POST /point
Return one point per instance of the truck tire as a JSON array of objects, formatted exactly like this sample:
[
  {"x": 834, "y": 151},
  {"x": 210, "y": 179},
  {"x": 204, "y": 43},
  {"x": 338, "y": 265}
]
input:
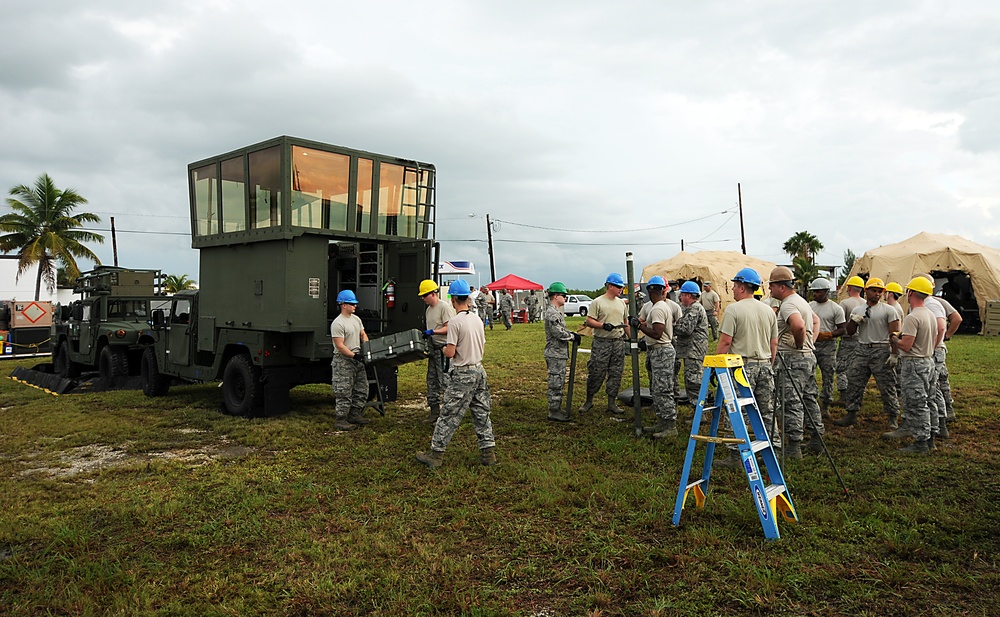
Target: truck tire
[
  {"x": 583, "y": 311},
  {"x": 154, "y": 383},
  {"x": 63, "y": 365},
  {"x": 112, "y": 362},
  {"x": 242, "y": 390}
]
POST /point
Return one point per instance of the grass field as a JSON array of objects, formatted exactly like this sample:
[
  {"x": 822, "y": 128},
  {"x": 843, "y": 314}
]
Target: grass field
[{"x": 115, "y": 504}]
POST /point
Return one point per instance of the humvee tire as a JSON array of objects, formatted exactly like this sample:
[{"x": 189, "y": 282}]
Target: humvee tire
[
  {"x": 242, "y": 390},
  {"x": 112, "y": 362},
  {"x": 63, "y": 365},
  {"x": 154, "y": 383}
]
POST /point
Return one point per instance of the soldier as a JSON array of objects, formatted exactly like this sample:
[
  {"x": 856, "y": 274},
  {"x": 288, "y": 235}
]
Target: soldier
[
  {"x": 674, "y": 294},
  {"x": 848, "y": 341},
  {"x": 710, "y": 300},
  {"x": 948, "y": 320},
  {"x": 656, "y": 323},
  {"x": 436, "y": 316},
  {"x": 833, "y": 324},
  {"x": 506, "y": 308},
  {"x": 916, "y": 348},
  {"x": 797, "y": 365},
  {"x": 691, "y": 344},
  {"x": 876, "y": 354},
  {"x": 534, "y": 306},
  {"x": 608, "y": 316},
  {"x": 483, "y": 306},
  {"x": 467, "y": 386},
  {"x": 350, "y": 380},
  {"x": 557, "y": 339},
  {"x": 750, "y": 329}
]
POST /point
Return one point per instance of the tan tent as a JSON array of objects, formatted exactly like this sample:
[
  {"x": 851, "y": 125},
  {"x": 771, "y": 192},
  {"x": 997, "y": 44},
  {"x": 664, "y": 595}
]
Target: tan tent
[
  {"x": 947, "y": 258},
  {"x": 719, "y": 267}
]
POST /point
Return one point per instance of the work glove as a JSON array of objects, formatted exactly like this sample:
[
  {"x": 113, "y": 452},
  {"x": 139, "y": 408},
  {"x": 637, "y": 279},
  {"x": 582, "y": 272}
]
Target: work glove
[
  {"x": 892, "y": 361},
  {"x": 633, "y": 321},
  {"x": 856, "y": 318},
  {"x": 358, "y": 357},
  {"x": 642, "y": 345},
  {"x": 608, "y": 327},
  {"x": 825, "y": 336},
  {"x": 429, "y": 332},
  {"x": 577, "y": 338}
]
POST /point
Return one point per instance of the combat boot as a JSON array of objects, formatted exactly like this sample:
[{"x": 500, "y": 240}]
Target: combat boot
[
  {"x": 732, "y": 461},
  {"x": 670, "y": 430},
  {"x": 943, "y": 429},
  {"x": 848, "y": 420},
  {"x": 613, "y": 406},
  {"x": 431, "y": 458},
  {"x": 432, "y": 417},
  {"x": 488, "y": 457},
  {"x": 587, "y": 405},
  {"x": 899, "y": 433},
  {"x": 558, "y": 415},
  {"x": 930, "y": 444},
  {"x": 893, "y": 423},
  {"x": 342, "y": 424},
  {"x": 356, "y": 417},
  {"x": 815, "y": 445},
  {"x": 661, "y": 425},
  {"x": 917, "y": 447},
  {"x": 824, "y": 409},
  {"x": 793, "y": 448}
]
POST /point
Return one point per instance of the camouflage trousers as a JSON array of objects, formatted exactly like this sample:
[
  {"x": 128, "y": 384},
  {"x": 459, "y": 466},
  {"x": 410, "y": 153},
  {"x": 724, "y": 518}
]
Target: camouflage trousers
[
  {"x": 826, "y": 359},
  {"x": 607, "y": 361},
  {"x": 760, "y": 376},
  {"x": 845, "y": 355},
  {"x": 796, "y": 380},
  {"x": 467, "y": 389},
  {"x": 868, "y": 362},
  {"x": 557, "y": 378},
  {"x": 437, "y": 379},
  {"x": 713, "y": 325},
  {"x": 693, "y": 370},
  {"x": 350, "y": 384},
  {"x": 661, "y": 381},
  {"x": 943, "y": 395},
  {"x": 917, "y": 384},
  {"x": 505, "y": 317}
]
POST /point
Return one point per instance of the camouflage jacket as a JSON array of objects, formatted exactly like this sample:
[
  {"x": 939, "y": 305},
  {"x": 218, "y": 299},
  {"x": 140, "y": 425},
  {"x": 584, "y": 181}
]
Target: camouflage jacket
[
  {"x": 691, "y": 332},
  {"x": 557, "y": 337}
]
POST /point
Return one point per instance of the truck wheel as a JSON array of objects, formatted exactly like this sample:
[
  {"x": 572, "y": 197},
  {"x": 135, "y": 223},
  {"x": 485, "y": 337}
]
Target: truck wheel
[
  {"x": 154, "y": 383},
  {"x": 112, "y": 362},
  {"x": 63, "y": 365},
  {"x": 242, "y": 390},
  {"x": 583, "y": 311}
]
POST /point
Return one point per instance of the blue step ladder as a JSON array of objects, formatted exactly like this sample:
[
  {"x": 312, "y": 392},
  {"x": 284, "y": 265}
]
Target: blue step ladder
[{"x": 733, "y": 394}]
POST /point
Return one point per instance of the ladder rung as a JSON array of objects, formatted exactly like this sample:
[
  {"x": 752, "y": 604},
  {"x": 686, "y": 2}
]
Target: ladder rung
[
  {"x": 760, "y": 444},
  {"x": 773, "y": 490},
  {"x": 743, "y": 402},
  {"x": 694, "y": 484},
  {"x": 708, "y": 410},
  {"x": 711, "y": 439}
]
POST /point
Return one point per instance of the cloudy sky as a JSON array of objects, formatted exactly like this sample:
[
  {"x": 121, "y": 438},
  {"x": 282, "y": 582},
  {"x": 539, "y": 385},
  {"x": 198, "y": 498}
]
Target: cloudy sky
[{"x": 584, "y": 129}]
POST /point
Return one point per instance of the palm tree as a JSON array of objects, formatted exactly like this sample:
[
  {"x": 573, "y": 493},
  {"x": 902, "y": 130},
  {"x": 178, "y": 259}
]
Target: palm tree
[
  {"x": 44, "y": 230},
  {"x": 803, "y": 244},
  {"x": 174, "y": 283},
  {"x": 805, "y": 272}
]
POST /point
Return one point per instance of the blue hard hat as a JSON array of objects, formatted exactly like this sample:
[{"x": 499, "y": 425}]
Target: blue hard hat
[
  {"x": 657, "y": 280},
  {"x": 347, "y": 297},
  {"x": 615, "y": 279},
  {"x": 747, "y": 275},
  {"x": 691, "y": 287},
  {"x": 459, "y": 288}
]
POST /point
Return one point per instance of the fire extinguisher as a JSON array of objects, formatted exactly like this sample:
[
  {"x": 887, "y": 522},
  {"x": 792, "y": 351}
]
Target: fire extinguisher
[{"x": 390, "y": 294}]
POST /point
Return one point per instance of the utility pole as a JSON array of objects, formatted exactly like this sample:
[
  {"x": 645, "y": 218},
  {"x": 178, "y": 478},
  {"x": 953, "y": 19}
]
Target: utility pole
[
  {"x": 743, "y": 235},
  {"x": 682, "y": 245},
  {"x": 489, "y": 237},
  {"x": 114, "y": 241}
]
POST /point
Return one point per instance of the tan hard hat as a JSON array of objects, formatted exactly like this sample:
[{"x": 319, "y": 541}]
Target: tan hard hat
[{"x": 781, "y": 274}]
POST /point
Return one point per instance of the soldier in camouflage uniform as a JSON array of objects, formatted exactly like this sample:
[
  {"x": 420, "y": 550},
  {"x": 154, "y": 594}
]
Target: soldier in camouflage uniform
[
  {"x": 534, "y": 307},
  {"x": 483, "y": 306},
  {"x": 467, "y": 385},
  {"x": 691, "y": 340},
  {"x": 506, "y": 308},
  {"x": 349, "y": 379},
  {"x": 848, "y": 342},
  {"x": 437, "y": 314},
  {"x": 608, "y": 316},
  {"x": 557, "y": 339},
  {"x": 833, "y": 324},
  {"x": 656, "y": 322}
]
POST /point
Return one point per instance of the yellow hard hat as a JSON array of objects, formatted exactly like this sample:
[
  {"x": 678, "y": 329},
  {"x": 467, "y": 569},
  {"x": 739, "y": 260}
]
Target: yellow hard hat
[
  {"x": 759, "y": 293},
  {"x": 875, "y": 282},
  {"x": 921, "y": 285},
  {"x": 894, "y": 287},
  {"x": 426, "y": 287},
  {"x": 855, "y": 281}
]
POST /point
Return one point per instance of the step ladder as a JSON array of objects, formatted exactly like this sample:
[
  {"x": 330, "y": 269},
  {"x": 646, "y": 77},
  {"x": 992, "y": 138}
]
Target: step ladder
[{"x": 734, "y": 395}]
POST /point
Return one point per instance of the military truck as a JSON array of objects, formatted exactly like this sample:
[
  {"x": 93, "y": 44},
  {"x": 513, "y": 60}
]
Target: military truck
[
  {"x": 106, "y": 329},
  {"x": 282, "y": 226}
]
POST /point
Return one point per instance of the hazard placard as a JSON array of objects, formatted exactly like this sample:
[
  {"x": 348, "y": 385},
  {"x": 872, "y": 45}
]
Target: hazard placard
[{"x": 29, "y": 314}]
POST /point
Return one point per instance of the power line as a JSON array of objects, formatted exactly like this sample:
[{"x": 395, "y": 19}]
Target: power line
[
  {"x": 615, "y": 231},
  {"x": 136, "y": 231},
  {"x": 554, "y": 243}
]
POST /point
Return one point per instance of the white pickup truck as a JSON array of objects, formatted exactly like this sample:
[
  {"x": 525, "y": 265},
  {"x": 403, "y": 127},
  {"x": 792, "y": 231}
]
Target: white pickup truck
[{"x": 577, "y": 305}]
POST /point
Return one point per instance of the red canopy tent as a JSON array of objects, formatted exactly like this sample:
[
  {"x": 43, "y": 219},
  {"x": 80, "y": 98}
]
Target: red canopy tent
[{"x": 513, "y": 281}]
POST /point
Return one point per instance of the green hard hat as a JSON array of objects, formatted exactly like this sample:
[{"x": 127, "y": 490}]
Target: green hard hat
[{"x": 557, "y": 288}]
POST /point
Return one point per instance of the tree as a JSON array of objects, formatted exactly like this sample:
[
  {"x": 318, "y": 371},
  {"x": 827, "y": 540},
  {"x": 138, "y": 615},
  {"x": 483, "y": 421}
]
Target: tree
[
  {"x": 805, "y": 272},
  {"x": 44, "y": 230},
  {"x": 803, "y": 244},
  {"x": 849, "y": 259},
  {"x": 174, "y": 283}
]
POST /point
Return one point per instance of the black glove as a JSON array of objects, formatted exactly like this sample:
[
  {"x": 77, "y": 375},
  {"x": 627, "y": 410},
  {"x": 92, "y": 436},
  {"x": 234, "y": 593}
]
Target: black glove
[
  {"x": 633, "y": 321},
  {"x": 608, "y": 327},
  {"x": 642, "y": 345},
  {"x": 358, "y": 357},
  {"x": 577, "y": 338}
]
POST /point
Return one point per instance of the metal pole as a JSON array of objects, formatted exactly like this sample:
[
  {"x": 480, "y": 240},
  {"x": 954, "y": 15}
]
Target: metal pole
[
  {"x": 633, "y": 344},
  {"x": 489, "y": 237},
  {"x": 114, "y": 241},
  {"x": 743, "y": 234}
]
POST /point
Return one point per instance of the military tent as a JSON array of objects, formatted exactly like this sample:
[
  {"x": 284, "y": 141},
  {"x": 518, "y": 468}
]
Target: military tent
[
  {"x": 966, "y": 274},
  {"x": 718, "y": 267}
]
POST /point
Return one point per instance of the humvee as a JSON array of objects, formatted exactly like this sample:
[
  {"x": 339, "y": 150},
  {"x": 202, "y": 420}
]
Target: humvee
[{"x": 282, "y": 226}]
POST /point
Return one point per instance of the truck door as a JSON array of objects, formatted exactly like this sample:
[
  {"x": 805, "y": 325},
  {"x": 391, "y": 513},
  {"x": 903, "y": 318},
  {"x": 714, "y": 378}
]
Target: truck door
[
  {"x": 89, "y": 319},
  {"x": 179, "y": 332},
  {"x": 407, "y": 263}
]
